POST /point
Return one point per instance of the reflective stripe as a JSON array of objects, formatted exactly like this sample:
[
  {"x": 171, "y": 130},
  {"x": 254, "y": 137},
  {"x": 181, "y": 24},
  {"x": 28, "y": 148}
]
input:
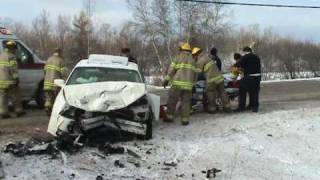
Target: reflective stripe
[
  {"x": 48, "y": 104},
  {"x": 173, "y": 64},
  {"x": 184, "y": 66},
  {"x": 49, "y": 85},
  {"x": 198, "y": 70},
  {"x": 185, "y": 119},
  {"x": 4, "y": 64},
  {"x": 15, "y": 76},
  {"x": 182, "y": 85},
  {"x": 53, "y": 67},
  {"x": 216, "y": 80},
  {"x": 5, "y": 84},
  {"x": 13, "y": 63},
  {"x": 255, "y": 75},
  {"x": 208, "y": 66}
]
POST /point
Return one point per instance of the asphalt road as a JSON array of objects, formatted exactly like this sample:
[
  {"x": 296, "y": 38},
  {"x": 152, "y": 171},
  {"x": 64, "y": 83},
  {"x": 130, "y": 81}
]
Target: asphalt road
[
  {"x": 290, "y": 91},
  {"x": 36, "y": 121},
  {"x": 277, "y": 91}
]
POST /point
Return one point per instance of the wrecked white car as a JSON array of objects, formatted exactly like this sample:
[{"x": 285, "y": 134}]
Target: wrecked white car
[{"x": 103, "y": 91}]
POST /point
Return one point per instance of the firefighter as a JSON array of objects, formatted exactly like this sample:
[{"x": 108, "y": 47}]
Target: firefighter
[
  {"x": 250, "y": 83},
  {"x": 55, "y": 68},
  {"x": 215, "y": 81},
  {"x": 181, "y": 76},
  {"x": 9, "y": 81}
]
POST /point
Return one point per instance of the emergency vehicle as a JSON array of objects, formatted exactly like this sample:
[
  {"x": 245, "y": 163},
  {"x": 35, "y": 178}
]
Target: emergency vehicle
[{"x": 31, "y": 72}]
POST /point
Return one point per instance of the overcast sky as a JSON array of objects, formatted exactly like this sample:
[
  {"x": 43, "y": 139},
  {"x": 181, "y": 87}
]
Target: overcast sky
[{"x": 299, "y": 23}]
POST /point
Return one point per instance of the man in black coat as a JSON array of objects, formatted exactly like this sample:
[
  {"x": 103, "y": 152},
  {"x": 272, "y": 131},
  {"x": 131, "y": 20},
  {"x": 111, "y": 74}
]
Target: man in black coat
[
  {"x": 214, "y": 56},
  {"x": 250, "y": 83}
]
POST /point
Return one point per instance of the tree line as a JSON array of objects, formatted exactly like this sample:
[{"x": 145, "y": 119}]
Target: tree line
[{"x": 157, "y": 28}]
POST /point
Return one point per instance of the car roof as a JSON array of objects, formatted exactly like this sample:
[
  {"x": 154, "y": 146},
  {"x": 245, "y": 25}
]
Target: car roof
[{"x": 108, "y": 61}]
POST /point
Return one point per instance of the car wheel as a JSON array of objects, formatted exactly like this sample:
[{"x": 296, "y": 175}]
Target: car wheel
[{"x": 40, "y": 98}]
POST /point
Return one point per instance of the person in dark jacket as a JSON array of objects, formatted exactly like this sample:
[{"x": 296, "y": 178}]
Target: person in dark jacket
[
  {"x": 214, "y": 56},
  {"x": 250, "y": 83},
  {"x": 127, "y": 53}
]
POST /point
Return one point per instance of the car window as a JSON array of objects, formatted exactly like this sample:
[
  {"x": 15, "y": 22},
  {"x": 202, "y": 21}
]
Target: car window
[
  {"x": 85, "y": 75},
  {"x": 23, "y": 55}
]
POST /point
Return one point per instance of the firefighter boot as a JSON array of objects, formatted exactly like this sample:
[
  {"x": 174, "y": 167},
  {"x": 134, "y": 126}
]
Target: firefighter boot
[
  {"x": 168, "y": 119},
  {"x": 227, "y": 110},
  {"x": 5, "y": 116},
  {"x": 212, "y": 110},
  {"x": 185, "y": 121},
  {"x": 20, "y": 113}
]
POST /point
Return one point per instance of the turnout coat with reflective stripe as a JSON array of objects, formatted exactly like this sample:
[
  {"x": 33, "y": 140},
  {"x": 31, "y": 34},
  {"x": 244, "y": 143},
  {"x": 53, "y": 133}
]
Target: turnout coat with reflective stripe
[
  {"x": 182, "y": 70},
  {"x": 8, "y": 72},
  {"x": 208, "y": 66},
  {"x": 54, "y": 69}
]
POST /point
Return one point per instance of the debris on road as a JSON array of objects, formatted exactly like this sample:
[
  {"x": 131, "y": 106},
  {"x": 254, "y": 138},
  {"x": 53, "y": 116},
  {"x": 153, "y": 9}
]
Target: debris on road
[
  {"x": 170, "y": 163},
  {"x": 109, "y": 149},
  {"x": 32, "y": 147},
  {"x": 134, "y": 161},
  {"x": 99, "y": 177},
  {"x": 212, "y": 173},
  {"x": 119, "y": 164},
  {"x": 166, "y": 169},
  {"x": 134, "y": 154}
]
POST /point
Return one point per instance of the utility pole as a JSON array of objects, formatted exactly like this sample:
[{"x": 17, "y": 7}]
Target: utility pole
[
  {"x": 89, "y": 5},
  {"x": 180, "y": 21}
]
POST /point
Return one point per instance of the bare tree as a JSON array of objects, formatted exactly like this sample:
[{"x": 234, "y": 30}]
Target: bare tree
[
  {"x": 41, "y": 27},
  {"x": 80, "y": 36},
  {"x": 144, "y": 18},
  {"x": 62, "y": 29}
]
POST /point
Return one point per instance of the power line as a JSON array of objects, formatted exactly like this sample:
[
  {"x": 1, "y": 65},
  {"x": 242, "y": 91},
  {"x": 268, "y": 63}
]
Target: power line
[{"x": 253, "y": 4}]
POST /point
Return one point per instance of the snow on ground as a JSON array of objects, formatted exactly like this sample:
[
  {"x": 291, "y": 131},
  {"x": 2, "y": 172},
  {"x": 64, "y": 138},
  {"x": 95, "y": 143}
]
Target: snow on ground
[{"x": 280, "y": 142}]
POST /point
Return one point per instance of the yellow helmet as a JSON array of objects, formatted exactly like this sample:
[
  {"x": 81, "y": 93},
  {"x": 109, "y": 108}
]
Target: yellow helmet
[
  {"x": 185, "y": 46},
  {"x": 11, "y": 44},
  {"x": 196, "y": 50}
]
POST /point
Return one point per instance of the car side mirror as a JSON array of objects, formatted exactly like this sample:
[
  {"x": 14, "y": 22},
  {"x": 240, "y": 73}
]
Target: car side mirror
[{"x": 59, "y": 82}]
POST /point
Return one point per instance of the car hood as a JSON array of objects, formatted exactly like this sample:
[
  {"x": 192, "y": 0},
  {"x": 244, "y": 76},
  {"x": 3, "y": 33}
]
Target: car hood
[{"x": 103, "y": 96}]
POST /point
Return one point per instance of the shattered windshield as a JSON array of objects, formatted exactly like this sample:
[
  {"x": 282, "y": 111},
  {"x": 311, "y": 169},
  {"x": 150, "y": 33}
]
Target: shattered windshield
[{"x": 85, "y": 75}]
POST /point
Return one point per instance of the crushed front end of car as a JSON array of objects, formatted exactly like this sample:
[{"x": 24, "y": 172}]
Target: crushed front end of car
[{"x": 121, "y": 105}]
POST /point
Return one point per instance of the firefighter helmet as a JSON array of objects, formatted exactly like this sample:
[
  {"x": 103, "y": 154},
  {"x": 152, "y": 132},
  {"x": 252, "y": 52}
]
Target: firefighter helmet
[
  {"x": 11, "y": 44},
  {"x": 185, "y": 47},
  {"x": 196, "y": 50}
]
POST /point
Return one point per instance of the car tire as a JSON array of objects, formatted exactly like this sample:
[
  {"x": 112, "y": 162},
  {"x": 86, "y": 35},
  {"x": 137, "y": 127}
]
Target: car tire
[
  {"x": 148, "y": 134},
  {"x": 40, "y": 97}
]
